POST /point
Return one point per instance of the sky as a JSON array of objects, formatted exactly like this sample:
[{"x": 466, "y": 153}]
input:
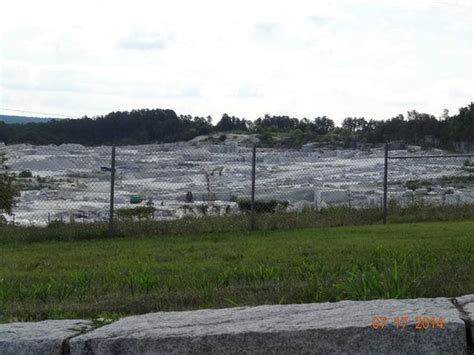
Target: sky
[{"x": 339, "y": 58}]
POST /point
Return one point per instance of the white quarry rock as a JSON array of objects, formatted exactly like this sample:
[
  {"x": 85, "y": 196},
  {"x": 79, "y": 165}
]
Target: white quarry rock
[
  {"x": 413, "y": 148},
  {"x": 452, "y": 199},
  {"x": 336, "y": 196},
  {"x": 39, "y": 338},
  {"x": 165, "y": 172},
  {"x": 346, "y": 154},
  {"x": 342, "y": 328},
  {"x": 308, "y": 147},
  {"x": 301, "y": 206},
  {"x": 72, "y": 148},
  {"x": 421, "y": 191},
  {"x": 223, "y": 148}
]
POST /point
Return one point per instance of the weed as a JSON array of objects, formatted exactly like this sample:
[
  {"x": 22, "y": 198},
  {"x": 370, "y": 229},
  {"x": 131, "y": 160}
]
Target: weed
[{"x": 278, "y": 220}]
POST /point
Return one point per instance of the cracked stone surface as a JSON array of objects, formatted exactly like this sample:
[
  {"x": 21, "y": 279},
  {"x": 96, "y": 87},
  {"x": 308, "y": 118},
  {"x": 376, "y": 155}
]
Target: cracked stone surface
[
  {"x": 467, "y": 305},
  {"x": 342, "y": 327},
  {"x": 38, "y": 338}
]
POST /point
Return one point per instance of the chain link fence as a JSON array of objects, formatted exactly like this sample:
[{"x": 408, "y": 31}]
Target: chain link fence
[
  {"x": 442, "y": 179},
  {"x": 73, "y": 183}
]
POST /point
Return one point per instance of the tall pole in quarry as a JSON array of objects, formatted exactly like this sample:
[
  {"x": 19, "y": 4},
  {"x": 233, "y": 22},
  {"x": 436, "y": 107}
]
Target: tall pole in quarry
[
  {"x": 252, "y": 201},
  {"x": 385, "y": 184},
  {"x": 112, "y": 191}
]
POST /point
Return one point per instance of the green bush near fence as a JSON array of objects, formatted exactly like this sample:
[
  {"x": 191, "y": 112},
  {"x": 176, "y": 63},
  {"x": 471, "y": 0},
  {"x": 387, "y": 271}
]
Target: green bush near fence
[
  {"x": 262, "y": 206},
  {"x": 25, "y": 174},
  {"x": 142, "y": 213}
]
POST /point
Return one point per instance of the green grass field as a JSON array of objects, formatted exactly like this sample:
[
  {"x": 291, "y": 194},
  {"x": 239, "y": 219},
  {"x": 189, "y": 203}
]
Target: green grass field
[{"x": 118, "y": 276}]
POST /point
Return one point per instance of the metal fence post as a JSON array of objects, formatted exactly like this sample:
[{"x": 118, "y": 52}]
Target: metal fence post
[
  {"x": 385, "y": 184},
  {"x": 252, "y": 203},
  {"x": 112, "y": 191}
]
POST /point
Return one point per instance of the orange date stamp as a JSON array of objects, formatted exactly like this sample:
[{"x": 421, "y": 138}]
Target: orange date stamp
[{"x": 401, "y": 322}]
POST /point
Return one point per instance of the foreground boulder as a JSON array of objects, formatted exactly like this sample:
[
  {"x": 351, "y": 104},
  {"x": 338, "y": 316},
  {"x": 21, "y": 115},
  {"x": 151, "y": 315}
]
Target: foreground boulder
[
  {"x": 434, "y": 326},
  {"x": 343, "y": 327},
  {"x": 465, "y": 305},
  {"x": 46, "y": 337}
]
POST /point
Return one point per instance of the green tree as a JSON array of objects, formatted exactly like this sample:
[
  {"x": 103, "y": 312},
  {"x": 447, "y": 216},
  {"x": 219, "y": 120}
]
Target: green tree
[
  {"x": 323, "y": 125},
  {"x": 7, "y": 190}
]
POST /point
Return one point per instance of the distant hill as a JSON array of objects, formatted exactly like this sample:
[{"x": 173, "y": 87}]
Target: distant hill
[
  {"x": 134, "y": 127},
  {"x": 23, "y": 119},
  {"x": 146, "y": 126}
]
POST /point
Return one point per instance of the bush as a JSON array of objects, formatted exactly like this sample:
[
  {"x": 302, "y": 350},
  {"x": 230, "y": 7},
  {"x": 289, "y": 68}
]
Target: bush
[
  {"x": 25, "y": 174},
  {"x": 7, "y": 189},
  {"x": 56, "y": 223},
  {"x": 203, "y": 209},
  {"x": 140, "y": 213},
  {"x": 417, "y": 184},
  {"x": 262, "y": 206}
]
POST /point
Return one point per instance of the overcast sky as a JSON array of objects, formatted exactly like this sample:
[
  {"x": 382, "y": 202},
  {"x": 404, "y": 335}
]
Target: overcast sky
[{"x": 372, "y": 58}]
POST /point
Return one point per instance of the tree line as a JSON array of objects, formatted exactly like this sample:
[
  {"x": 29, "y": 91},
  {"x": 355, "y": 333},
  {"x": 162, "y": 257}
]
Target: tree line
[{"x": 157, "y": 125}]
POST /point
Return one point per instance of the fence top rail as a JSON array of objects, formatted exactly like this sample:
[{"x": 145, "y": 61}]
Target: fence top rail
[{"x": 431, "y": 156}]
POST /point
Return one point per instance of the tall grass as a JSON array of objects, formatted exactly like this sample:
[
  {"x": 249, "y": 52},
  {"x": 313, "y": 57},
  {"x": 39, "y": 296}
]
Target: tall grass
[
  {"x": 329, "y": 217},
  {"x": 151, "y": 274},
  {"x": 389, "y": 274}
]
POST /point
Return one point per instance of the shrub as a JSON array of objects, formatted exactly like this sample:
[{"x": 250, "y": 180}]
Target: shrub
[
  {"x": 56, "y": 223},
  {"x": 25, "y": 174},
  {"x": 140, "y": 213},
  {"x": 189, "y": 197},
  {"x": 262, "y": 206},
  {"x": 204, "y": 209},
  {"x": 7, "y": 189},
  {"x": 417, "y": 184}
]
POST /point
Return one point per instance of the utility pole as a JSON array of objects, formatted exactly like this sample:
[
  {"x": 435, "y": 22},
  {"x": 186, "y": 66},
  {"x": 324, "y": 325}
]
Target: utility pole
[
  {"x": 252, "y": 206},
  {"x": 385, "y": 184},
  {"x": 112, "y": 191}
]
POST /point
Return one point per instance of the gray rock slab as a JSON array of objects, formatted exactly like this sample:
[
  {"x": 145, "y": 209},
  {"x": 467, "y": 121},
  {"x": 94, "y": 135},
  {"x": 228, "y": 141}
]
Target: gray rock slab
[
  {"x": 342, "y": 327},
  {"x": 465, "y": 300},
  {"x": 466, "y": 304},
  {"x": 37, "y": 338}
]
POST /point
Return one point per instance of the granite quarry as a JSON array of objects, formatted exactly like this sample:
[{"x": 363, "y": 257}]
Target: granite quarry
[{"x": 71, "y": 181}]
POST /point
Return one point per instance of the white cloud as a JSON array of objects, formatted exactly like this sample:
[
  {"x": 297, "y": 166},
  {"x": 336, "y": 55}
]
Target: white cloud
[
  {"x": 306, "y": 58},
  {"x": 146, "y": 41}
]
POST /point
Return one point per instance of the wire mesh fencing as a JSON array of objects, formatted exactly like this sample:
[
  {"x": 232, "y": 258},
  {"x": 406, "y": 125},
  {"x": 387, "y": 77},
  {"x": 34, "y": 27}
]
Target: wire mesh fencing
[
  {"x": 322, "y": 178},
  {"x": 58, "y": 183},
  {"x": 177, "y": 181},
  {"x": 172, "y": 181},
  {"x": 152, "y": 182},
  {"x": 433, "y": 179}
]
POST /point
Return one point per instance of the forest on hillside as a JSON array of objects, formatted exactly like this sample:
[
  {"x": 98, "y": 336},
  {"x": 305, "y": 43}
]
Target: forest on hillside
[{"x": 157, "y": 125}]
